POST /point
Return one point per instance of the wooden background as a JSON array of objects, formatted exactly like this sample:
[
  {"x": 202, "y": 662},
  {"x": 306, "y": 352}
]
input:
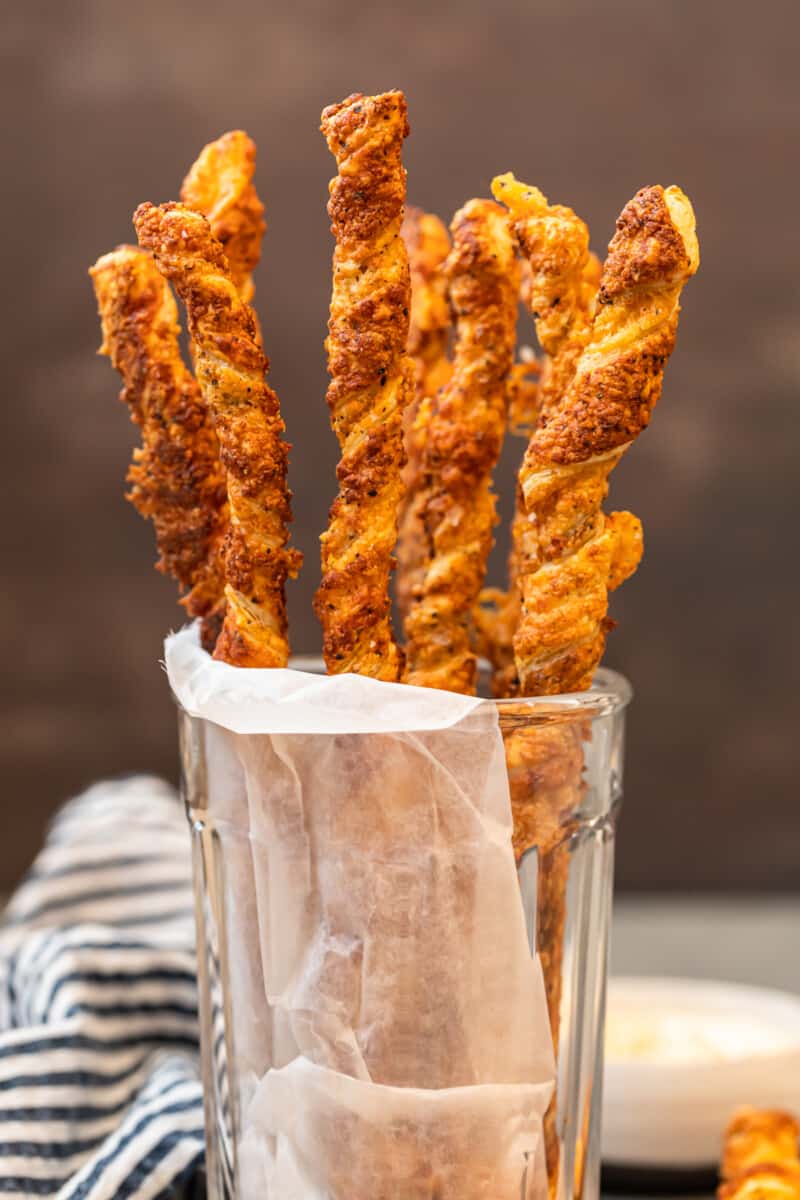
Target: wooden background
[{"x": 105, "y": 105}]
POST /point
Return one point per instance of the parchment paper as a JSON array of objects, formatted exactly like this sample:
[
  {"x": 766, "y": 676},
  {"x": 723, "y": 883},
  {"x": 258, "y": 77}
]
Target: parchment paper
[{"x": 397, "y": 1043}]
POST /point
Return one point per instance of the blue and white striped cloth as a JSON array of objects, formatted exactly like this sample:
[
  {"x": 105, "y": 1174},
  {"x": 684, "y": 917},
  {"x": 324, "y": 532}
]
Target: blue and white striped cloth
[{"x": 100, "y": 1094}]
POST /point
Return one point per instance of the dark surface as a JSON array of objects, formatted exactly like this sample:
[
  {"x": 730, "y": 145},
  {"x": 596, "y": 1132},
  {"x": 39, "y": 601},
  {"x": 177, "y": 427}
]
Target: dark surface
[
  {"x": 105, "y": 105},
  {"x": 643, "y": 1181},
  {"x": 616, "y": 1181}
]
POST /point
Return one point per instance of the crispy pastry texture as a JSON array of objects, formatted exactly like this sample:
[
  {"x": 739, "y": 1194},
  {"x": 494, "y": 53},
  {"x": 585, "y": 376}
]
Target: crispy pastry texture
[
  {"x": 559, "y": 285},
  {"x": 464, "y": 438},
  {"x": 570, "y": 550},
  {"x": 562, "y": 541},
  {"x": 231, "y": 368},
  {"x": 494, "y": 622},
  {"x": 559, "y": 288},
  {"x": 428, "y": 244},
  {"x": 220, "y": 186},
  {"x": 761, "y": 1157},
  {"x": 176, "y": 478},
  {"x": 370, "y": 381}
]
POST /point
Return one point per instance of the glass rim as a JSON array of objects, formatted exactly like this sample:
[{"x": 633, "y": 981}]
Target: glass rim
[{"x": 610, "y": 692}]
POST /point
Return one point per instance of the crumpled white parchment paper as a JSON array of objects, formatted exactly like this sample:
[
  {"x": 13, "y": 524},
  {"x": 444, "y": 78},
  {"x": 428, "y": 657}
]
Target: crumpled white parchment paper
[{"x": 389, "y": 1032}]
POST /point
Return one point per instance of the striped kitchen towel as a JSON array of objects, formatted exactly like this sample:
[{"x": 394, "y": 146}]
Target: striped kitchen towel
[{"x": 100, "y": 1094}]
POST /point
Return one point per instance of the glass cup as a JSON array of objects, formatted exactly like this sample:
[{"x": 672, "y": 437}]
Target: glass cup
[{"x": 564, "y": 758}]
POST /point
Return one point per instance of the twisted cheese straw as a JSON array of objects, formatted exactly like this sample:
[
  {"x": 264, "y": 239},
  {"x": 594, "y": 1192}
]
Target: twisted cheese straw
[
  {"x": 176, "y": 478},
  {"x": 370, "y": 381},
  {"x": 220, "y": 186},
  {"x": 571, "y": 550},
  {"x": 428, "y": 244},
  {"x": 495, "y": 617},
  {"x": 560, "y": 285},
  {"x": 231, "y": 368},
  {"x": 463, "y": 444},
  {"x": 545, "y": 766},
  {"x": 559, "y": 289},
  {"x": 761, "y": 1157},
  {"x": 499, "y": 611}
]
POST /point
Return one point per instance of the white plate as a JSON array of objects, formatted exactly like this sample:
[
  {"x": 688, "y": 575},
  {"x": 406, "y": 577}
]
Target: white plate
[{"x": 682, "y": 1054}]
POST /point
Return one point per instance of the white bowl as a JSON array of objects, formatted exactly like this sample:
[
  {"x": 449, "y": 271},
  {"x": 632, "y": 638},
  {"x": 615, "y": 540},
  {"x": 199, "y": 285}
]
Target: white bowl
[{"x": 681, "y": 1055}]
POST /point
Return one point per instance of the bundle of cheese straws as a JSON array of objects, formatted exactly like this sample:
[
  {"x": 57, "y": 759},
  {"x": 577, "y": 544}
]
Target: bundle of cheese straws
[
  {"x": 420, "y": 428},
  {"x": 423, "y": 388}
]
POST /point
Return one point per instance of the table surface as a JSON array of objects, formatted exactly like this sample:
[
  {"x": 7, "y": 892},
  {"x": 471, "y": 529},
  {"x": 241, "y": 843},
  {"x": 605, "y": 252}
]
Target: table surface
[
  {"x": 741, "y": 939},
  {"x": 750, "y": 939}
]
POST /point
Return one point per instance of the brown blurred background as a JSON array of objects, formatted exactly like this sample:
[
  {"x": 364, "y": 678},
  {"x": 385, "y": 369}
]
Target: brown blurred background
[{"x": 107, "y": 104}]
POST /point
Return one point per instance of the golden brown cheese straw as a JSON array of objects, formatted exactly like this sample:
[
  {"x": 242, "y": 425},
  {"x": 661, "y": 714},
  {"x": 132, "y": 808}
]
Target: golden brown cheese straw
[
  {"x": 569, "y": 545},
  {"x": 176, "y": 478},
  {"x": 560, "y": 282},
  {"x": 428, "y": 244},
  {"x": 464, "y": 438},
  {"x": 495, "y": 620},
  {"x": 370, "y": 381},
  {"x": 231, "y": 367},
  {"x": 545, "y": 768},
  {"x": 578, "y": 582},
  {"x": 559, "y": 285},
  {"x": 220, "y": 186},
  {"x": 495, "y": 616},
  {"x": 761, "y": 1156}
]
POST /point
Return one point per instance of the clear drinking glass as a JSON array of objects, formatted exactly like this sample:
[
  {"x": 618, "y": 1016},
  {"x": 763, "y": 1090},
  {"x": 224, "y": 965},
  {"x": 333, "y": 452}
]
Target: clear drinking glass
[{"x": 564, "y": 757}]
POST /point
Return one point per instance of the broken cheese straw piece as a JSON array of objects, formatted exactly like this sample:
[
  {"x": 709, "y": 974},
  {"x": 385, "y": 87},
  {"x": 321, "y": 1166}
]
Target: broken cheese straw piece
[
  {"x": 220, "y": 186},
  {"x": 761, "y": 1156},
  {"x": 176, "y": 478},
  {"x": 569, "y": 545},
  {"x": 231, "y": 369},
  {"x": 428, "y": 244},
  {"x": 370, "y": 381},
  {"x": 463, "y": 443}
]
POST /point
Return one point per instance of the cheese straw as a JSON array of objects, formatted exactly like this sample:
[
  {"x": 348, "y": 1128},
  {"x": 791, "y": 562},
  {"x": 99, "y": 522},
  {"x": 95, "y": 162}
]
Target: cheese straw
[
  {"x": 231, "y": 368},
  {"x": 428, "y": 244},
  {"x": 761, "y": 1156},
  {"x": 176, "y": 478},
  {"x": 571, "y": 550},
  {"x": 220, "y": 186},
  {"x": 566, "y": 553},
  {"x": 462, "y": 445},
  {"x": 370, "y": 381}
]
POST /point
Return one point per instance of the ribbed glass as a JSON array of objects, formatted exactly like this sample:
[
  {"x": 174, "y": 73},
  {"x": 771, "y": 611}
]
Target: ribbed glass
[{"x": 564, "y": 757}]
